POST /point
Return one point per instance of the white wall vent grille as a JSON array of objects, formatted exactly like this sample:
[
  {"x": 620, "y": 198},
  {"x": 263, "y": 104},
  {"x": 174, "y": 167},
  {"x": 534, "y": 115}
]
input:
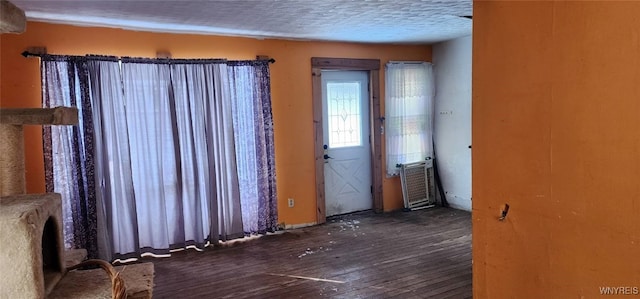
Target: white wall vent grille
[{"x": 418, "y": 185}]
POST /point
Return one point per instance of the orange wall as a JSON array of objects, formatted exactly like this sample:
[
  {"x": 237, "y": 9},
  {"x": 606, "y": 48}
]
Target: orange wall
[
  {"x": 556, "y": 135},
  {"x": 290, "y": 83}
]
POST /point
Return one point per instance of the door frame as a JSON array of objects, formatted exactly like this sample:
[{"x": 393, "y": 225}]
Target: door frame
[{"x": 372, "y": 66}]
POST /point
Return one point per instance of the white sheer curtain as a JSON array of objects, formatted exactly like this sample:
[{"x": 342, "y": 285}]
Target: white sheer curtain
[
  {"x": 409, "y": 90},
  {"x": 116, "y": 213},
  {"x": 205, "y": 127},
  {"x": 182, "y": 157},
  {"x": 150, "y": 118}
]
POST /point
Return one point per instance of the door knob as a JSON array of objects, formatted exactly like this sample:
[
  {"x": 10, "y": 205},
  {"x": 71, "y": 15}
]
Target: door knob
[{"x": 327, "y": 157}]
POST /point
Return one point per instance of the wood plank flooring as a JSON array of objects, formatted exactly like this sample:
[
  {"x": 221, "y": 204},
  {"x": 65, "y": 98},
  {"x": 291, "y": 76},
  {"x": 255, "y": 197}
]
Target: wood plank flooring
[{"x": 418, "y": 254}]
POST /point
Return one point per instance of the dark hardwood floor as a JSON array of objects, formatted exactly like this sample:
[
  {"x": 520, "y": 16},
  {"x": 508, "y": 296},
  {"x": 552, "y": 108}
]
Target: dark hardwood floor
[{"x": 418, "y": 254}]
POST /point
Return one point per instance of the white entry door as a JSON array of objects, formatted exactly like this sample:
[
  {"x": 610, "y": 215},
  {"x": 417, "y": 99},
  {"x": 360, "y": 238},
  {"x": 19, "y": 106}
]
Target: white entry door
[{"x": 347, "y": 168}]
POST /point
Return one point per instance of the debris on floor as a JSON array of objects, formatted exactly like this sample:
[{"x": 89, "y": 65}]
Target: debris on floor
[{"x": 307, "y": 252}]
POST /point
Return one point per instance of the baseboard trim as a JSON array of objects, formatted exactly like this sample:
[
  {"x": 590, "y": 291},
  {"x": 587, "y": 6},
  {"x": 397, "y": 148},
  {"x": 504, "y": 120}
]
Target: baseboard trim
[{"x": 300, "y": 225}]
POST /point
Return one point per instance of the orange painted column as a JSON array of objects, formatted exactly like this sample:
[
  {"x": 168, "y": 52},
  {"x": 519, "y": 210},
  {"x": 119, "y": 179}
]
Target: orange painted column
[{"x": 556, "y": 135}]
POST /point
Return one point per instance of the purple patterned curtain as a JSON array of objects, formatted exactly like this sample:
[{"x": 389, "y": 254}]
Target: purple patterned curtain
[
  {"x": 68, "y": 150},
  {"x": 250, "y": 89}
]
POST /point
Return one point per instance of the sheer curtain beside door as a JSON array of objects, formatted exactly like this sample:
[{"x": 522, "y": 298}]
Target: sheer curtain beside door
[{"x": 410, "y": 90}]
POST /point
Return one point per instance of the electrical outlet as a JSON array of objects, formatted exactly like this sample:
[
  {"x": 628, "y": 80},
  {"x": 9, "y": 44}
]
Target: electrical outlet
[{"x": 291, "y": 202}]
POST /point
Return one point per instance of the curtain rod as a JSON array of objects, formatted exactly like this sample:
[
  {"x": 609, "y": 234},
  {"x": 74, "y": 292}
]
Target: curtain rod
[
  {"x": 29, "y": 54},
  {"x": 408, "y": 62}
]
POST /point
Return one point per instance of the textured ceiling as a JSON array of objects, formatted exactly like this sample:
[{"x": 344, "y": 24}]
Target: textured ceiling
[{"x": 369, "y": 21}]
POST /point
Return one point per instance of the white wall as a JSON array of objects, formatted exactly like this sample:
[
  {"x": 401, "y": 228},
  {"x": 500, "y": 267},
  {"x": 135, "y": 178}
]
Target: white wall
[{"x": 452, "y": 123}]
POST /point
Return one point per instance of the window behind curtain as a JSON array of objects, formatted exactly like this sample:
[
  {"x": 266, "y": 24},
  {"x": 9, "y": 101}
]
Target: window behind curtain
[{"x": 409, "y": 113}]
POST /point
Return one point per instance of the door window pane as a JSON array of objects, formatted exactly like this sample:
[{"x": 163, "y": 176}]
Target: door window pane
[{"x": 344, "y": 113}]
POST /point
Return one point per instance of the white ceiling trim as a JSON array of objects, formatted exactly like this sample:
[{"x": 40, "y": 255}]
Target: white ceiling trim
[
  {"x": 161, "y": 27},
  {"x": 363, "y": 21}
]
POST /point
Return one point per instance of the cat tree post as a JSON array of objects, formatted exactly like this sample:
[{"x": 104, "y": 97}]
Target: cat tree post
[{"x": 12, "y": 160}]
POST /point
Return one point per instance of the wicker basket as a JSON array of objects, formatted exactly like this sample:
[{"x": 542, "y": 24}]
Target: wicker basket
[{"x": 118, "y": 290}]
